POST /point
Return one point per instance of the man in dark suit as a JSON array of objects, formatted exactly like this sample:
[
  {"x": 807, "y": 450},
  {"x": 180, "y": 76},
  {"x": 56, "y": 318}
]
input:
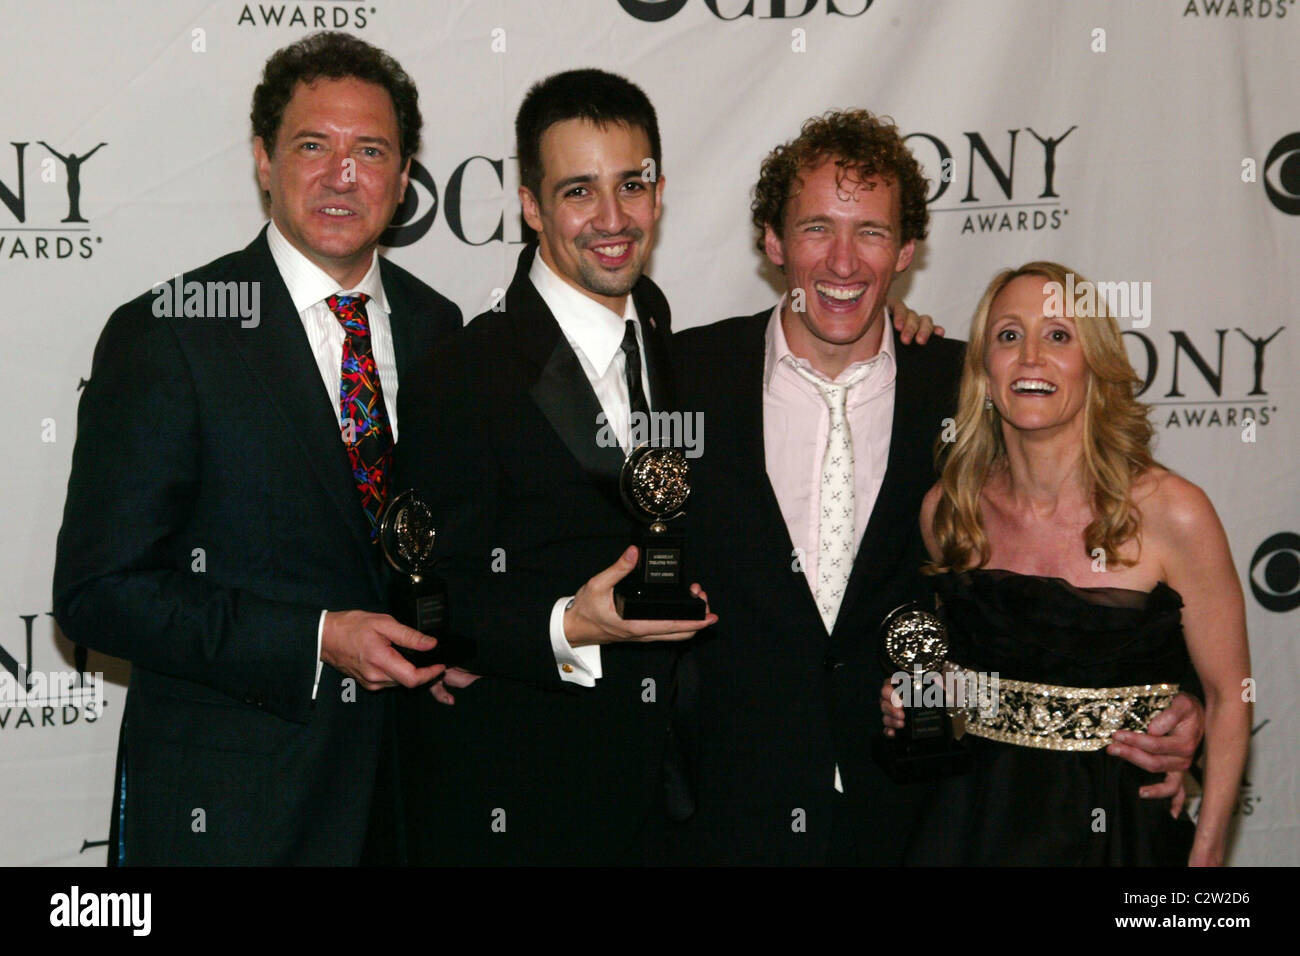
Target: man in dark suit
[
  {"x": 555, "y": 755},
  {"x": 227, "y": 478},
  {"x": 805, "y": 507}
]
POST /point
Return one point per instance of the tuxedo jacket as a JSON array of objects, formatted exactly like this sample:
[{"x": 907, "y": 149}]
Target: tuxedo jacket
[
  {"x": 211, "y": 516},
  {"x": 500, "y": 434},
  {"x": 781, "y": 703}
]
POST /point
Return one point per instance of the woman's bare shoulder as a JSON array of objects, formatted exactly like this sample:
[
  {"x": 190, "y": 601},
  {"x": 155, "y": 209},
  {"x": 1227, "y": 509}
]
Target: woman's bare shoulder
[{"x": 1173, "y": 509}]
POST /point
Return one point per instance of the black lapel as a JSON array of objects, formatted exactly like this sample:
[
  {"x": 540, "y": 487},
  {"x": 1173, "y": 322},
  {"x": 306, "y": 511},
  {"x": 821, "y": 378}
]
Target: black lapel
[
  {"x": 280, "y": 356},
  {"x": 561, "y": 389},
  {"x": 402, "y": 321},
  {"x": 909, "y": 451},
  {"x": 415, "y": 330},
  {"x": 770, "y": 529}
]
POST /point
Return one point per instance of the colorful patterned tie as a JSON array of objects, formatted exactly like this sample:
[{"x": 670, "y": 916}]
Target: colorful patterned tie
[{"x": 361, "y": 405}]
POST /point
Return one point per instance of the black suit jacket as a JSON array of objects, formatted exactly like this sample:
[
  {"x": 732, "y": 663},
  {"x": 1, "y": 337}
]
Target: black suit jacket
[
  {"x": 780, "y": 702},
  {"x": 211, "y": 515},
  {"x": 499, "y": 431}
]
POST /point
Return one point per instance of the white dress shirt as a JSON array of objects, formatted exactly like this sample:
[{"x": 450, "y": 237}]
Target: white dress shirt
[
  {"x": 796, "y": 424},
  {"x": 595, "y": 333},
  {"x": 309, "y": 286}
]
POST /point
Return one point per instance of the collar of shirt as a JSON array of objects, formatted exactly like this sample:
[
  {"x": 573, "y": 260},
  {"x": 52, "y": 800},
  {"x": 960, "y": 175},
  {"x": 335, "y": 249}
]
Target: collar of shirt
[
  {"x": 777, "y": 354},
  {"x": 309, "y": 284},
  {"x": 591, "y": 327}
]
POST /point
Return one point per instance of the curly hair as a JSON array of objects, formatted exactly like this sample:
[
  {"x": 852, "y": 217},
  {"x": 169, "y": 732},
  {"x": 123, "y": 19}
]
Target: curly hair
[
  {"x": 334, "y": 56},
  {"x": 861, "y": 144},
  {"x": 1116, "y": 437}
]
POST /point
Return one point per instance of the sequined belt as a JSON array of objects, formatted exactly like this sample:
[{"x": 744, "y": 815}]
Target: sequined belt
[{"x": 1052, "y": 717}]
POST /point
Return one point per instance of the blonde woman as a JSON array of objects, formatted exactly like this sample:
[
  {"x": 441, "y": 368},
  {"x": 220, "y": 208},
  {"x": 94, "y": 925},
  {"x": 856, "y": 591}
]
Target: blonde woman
[{"x": 1081, "y": 572}]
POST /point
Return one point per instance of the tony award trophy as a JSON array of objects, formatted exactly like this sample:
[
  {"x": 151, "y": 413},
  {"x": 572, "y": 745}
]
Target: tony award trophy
[
  {"x": 916, "y": 642},
  {"x": 654, "y": 486},
  {"x": 416, "y": 597}
]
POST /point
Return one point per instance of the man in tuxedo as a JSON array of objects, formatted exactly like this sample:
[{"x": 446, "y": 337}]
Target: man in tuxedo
[
  {"x": 555, "y": 755},
  {"x": 805, "y": 513},
  {"x": 227, "y": 478}
]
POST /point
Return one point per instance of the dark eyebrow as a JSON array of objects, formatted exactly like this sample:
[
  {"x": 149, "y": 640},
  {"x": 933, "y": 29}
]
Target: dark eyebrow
[
  {"x": 574, "y": 181},
  {"x": 588, "y": 178},
  {"x": 317, "y": 134}
]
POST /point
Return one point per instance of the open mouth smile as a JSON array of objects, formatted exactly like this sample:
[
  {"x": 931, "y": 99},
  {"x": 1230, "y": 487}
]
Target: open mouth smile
[
  {"x": 612, "y": 254},
  {"x": 1032, "y": 386},
  {"x": 838, "y": 296}
]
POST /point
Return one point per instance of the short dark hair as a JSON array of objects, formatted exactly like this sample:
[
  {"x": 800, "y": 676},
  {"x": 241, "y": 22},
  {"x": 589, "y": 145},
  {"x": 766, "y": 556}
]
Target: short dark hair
[
  {"x": 861, "y": 144},
  {"x": 334, "y": 56},
  {"x": 593, "y": 95}
]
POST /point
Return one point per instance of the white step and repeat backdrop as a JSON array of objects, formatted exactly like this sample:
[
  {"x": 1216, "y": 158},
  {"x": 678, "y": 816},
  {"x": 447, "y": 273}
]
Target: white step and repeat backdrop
[{"x": 1154, "y": 141}]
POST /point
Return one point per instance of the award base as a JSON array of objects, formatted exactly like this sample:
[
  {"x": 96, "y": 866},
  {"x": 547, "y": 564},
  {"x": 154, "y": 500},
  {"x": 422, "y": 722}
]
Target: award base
[
  {"x": 422, "y": 604},
  {"x": 655, "y": 607},
  {"x": 654, "y": 590},
  {"x": 452, "y": 650},
  {"x": 924, "y": 749},
  {"x": 908, "y": 761}
]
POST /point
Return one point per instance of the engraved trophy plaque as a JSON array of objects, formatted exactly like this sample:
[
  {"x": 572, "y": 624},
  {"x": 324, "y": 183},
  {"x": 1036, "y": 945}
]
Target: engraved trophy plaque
[
  {"x": 916, "y": 642},
  {"x": 655, "y": 485}
]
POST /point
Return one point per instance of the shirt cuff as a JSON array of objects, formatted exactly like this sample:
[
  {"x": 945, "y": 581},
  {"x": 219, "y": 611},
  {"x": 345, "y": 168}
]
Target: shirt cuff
[
  {"x": 577, "y": 665},
  {"x": 320, "y": 638}
]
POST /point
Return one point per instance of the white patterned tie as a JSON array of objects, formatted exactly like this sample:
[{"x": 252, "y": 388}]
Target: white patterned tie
[{"x": 835, "y": 519}]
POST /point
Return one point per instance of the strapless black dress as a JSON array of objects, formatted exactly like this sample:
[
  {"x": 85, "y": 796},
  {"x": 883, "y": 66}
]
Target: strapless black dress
[{"x": 1025, "y": 806}]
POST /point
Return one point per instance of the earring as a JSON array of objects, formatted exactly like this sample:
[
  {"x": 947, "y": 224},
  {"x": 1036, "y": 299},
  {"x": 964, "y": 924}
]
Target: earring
[{"x": 988, "y": 404}]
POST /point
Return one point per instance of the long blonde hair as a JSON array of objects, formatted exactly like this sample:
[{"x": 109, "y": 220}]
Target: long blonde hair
[{"x": 1116, "y": 433}]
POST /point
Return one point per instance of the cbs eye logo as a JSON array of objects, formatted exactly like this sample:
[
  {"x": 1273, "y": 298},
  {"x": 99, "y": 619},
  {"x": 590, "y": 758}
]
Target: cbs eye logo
[
  {"x": 1285, "y": 155},
  {"x": 652, "y": 11},
  {"x": 1275, "y": 572},
  {"x": 408, "y": 228}
]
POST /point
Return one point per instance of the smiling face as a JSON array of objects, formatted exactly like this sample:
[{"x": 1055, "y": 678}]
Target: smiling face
[
  {"x": 337, "y": 175},
  {"x": 595, "y": 217},
  {"x": 1037, "y": 373},
  {"x": 840, "y": 245}
]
